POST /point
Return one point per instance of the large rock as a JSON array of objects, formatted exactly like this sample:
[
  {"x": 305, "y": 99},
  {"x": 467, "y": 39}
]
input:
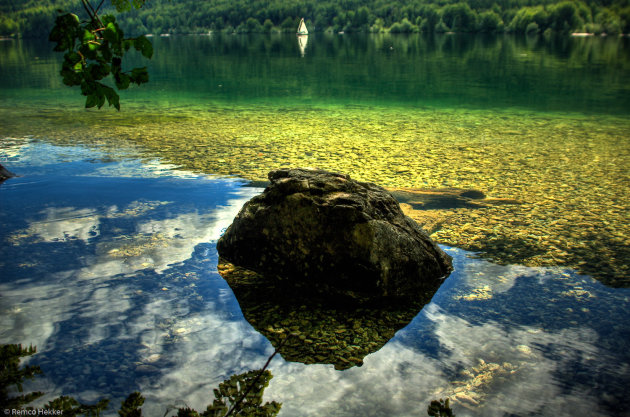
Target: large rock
[
  {"x": 5, "y": 173},
  {"x": 336, "y": 234}
]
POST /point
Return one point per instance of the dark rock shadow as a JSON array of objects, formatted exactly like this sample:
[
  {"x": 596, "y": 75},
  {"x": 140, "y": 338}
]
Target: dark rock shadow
[
  {"x": 309, "y": 325},
  {"x": 446, "y": 198},
  {"x": 5, "y": 174}
]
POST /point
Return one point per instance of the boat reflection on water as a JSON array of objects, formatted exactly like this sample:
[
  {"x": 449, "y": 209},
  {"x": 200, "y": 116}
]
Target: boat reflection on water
[
  {"x": 302, "y": 42},
  {"x": 302, "y": 36},
  {"x": 312, "y": 327}
]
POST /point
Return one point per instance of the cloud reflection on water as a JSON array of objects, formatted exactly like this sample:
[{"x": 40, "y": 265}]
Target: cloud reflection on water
[
  {"x": 60, "y": 224},
  {"x": 488, "y": 368},
  {"x": 178, "y": 238},
  {"x": 102, "y": 291},
  {"x": 119, "y": 291}
]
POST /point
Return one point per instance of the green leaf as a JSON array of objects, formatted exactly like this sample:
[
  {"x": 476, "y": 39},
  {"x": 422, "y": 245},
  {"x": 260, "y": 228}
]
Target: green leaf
[
  {"x": 101, "y": 97},
  {"x": 64, "y": 32},
  {"x": 70, "y": 76},
  {"x": 187, "y": 412},
  {"x": 116, "y": 65},
  {"x": 88, "y": 87},
  {"x": 122, "y": 81},
  {"x": 115, "y": 101},
  {"x": 88, "y": 36},
  {"x": 98, "y": 71},
  {"x": 111, "y": 32},
  {"x": 91, "y": 100},
  {"x": 71, "y": 58},
  {"x": 142, "y": 44},
  {"x": 108, "y": 18},
  {"x": 94, "y": 50},
  {"x": 131, "y": 406},
  {"x": 88, "y": 52},
  {"x": 139, "y": 75},
  {"x": 106, "y": 53}
]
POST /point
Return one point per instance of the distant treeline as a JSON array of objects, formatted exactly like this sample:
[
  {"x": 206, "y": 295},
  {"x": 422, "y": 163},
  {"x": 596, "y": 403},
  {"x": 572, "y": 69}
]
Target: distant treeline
[{"x": 34, "y": 18}]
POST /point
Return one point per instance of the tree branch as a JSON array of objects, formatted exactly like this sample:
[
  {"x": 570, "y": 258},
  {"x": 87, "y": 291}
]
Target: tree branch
[
  {"x": 91, "y": 12},
  {"x": 249, "y": 388},
  {"x": 87, "y": 9},
  {"x": 99, "y": 6}
]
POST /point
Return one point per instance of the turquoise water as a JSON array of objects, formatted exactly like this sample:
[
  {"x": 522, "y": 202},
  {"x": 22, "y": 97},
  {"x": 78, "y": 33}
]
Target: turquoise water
[
  {"x": 565, "y": 74},
  {"x": 109, "y": 261}
]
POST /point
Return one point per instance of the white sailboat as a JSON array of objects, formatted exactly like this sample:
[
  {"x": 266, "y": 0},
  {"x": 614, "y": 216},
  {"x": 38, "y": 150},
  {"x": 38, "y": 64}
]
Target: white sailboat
[
  {"x": 302, "y": 28},
  {"x": 302, "y": 35}
]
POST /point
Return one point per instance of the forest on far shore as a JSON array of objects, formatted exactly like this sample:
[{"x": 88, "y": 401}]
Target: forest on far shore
[{"x": 35, "y": 18}]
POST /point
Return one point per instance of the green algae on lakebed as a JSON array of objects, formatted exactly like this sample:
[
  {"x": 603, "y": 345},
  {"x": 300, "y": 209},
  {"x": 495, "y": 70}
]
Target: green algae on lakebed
[{"x": 569, "y": 172}]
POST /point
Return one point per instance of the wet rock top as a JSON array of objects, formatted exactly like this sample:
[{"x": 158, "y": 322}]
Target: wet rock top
[{"x": 340, "y": 235}]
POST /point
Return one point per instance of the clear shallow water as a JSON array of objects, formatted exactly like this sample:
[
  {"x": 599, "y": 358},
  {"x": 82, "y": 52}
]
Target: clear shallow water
[
  {"x": 564, "y": 74},
  {"x": 109, "y": 268},
  {"x": 539, "y": 121},
  {"x": 109, "y": 263}
]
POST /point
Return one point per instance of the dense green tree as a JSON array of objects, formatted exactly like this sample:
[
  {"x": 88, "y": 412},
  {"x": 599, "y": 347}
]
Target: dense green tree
[
  {"x": 253, "y": 25},
  {"x": 8, "y": 26},
  {"x": 267, "y": 26},
  {"x": 361, "y": 19},
  {"x": 490, "y": 22},
  {"x": 608, "y": 22},
  {"x": 441, "y": 27},
  {"x": 403, "y": 27},
  {"x": 564, "y": 17},
  {"x": 527, "y": 17},
  {"x": 460, "y": 17},
  {"x": 34, "y": 17},
  {"x": 289, "y": 23},
  {"x": 429, "y": 17}
]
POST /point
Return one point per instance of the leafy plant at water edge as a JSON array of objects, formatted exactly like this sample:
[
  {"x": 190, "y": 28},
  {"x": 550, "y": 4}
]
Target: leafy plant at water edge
[
  {"x": 243, "y": 392},
  {"x": 11, "y": 374},
  {"x": 94, "y": 49},
  {"x": 71, "y": 407},
  {"x": 131, "y": 406},
  {"x": 240, "y": 395},
  {"x": 440, "y": 408}
]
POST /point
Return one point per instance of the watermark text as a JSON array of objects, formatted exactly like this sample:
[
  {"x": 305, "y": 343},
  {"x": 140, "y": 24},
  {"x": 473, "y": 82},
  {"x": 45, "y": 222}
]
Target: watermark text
[{"x": 32, "y": 412}]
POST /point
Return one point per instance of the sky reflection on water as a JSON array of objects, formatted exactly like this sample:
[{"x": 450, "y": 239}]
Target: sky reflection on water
[{"x": 109, "y": 268}]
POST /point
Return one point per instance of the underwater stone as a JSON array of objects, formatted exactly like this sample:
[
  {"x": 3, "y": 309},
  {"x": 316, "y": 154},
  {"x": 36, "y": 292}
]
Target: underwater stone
[
  {"x": 5, "y": 173},
  {"x": 336, "y": 235},
  {"x": 311, "y": 327}
]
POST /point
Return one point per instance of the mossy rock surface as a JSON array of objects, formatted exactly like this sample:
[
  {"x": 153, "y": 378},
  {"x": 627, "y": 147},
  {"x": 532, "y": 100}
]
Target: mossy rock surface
[{"x": 326, "y": 229}]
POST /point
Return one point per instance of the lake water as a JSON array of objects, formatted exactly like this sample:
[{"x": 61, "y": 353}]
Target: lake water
[{"x": 109, "y": 261}]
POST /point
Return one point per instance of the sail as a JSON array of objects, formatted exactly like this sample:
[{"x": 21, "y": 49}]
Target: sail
[{"x": 302, "y": 28}]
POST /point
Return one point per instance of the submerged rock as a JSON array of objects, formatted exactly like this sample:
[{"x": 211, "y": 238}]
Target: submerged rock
[
  {"x": 312, "y": 328},
  {"x": 5, "y": 173},
  {"x": 446, "y": 198},
  {"x": 335, "y": 234}
]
